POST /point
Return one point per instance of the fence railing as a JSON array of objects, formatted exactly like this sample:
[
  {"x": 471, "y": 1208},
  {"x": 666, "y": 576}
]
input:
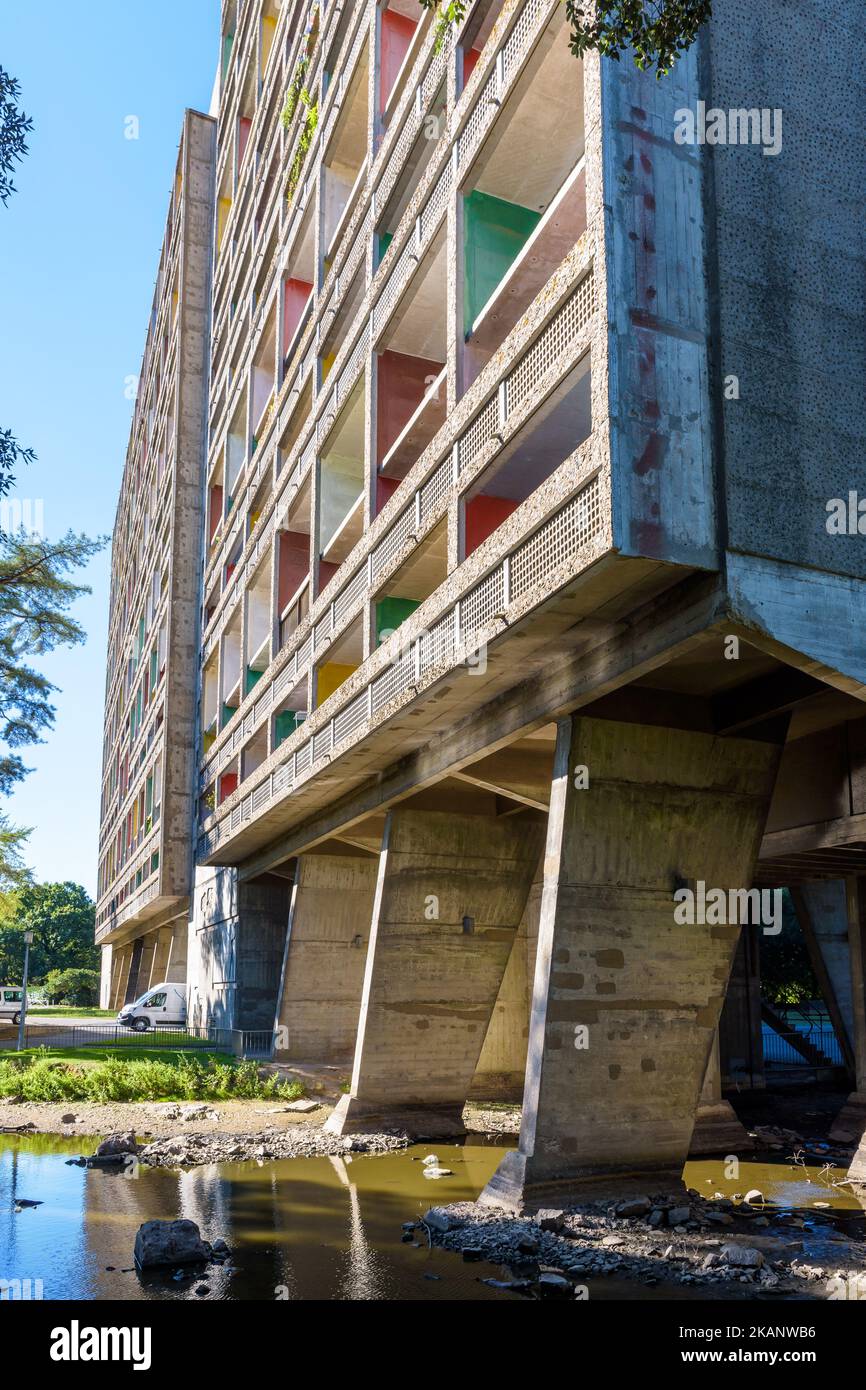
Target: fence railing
[
  {"x": 787, "y": 1049},
  {"x": 111, "y": 1038}
]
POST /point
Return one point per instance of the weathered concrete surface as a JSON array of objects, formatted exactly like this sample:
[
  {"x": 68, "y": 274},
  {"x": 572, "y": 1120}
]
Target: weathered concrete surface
[
  {"x": 501, "y": 1067},
  {"x": 326, "y": 950},
  {"x": 626, "y": 1001},
  {"x": 237, "y": 937},
  {"x": 450, "y": 895},
  {"x": 717, "y": 1129}
]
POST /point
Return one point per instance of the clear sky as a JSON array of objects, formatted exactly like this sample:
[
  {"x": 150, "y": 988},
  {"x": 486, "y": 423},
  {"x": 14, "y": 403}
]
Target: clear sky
[{"x": 79, "y": 249}]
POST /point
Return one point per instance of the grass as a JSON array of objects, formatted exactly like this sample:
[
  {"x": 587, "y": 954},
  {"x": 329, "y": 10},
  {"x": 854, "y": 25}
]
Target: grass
[
  {"x": 67, "y": 1011},
  {"x": 42, "y": 1076}
]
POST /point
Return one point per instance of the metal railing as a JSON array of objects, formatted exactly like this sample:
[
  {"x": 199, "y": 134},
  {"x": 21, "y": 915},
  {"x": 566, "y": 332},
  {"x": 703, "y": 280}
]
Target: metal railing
[{"x": 113, "y": 1039}]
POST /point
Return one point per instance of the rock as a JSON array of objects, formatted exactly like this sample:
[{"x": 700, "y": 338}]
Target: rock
[
  {"x": 118, "y": 1146},
  {"x": 203, "y": 1290},
  {"x": 170, "y": 1243},
  {"x": 472, "y": 1253},
  {"x": 431, "y": 1160},
  {"x": 678, "y": 1216},
  {"x": 639, "y": 1206},
  {"x": 719, "y": 1218},
  {"x": 549, "y": 1219},
  {"x": 303, "y": 1107},
  {"x": 437, "y": 1220},
  {"x": 552, "y": 1285},
  {"x": 656, "y": 1217},
  {"x": 613, "y": 1241},
  {"x": 68, "y": 1119},
  {"x": 741, "y": 1256},
  {"x": 220, "y": 1247},
  {"x": 431, "y": 1172},
  {"x": 528, "y": 1245},
  {"x": 754, "y": 1195},
  {"x": 194, "y": 1112}
]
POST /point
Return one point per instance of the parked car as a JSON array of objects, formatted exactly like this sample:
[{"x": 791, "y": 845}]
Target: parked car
[
  {"x": 10, "y": 1003},
  {"x": 163, "y": 1006}
]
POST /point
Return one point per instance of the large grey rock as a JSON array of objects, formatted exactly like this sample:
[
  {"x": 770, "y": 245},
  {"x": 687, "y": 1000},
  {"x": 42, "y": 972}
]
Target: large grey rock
[
  {"x": 742, "y": 1256},
  {"x": 170, "y": 1243},
  {"x": 117, "y": 1145},
  {"x": 437, "y": 1220}
]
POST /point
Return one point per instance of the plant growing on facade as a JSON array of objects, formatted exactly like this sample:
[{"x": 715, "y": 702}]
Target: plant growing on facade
[
  {"x": 657, "y": 31},
  {"x": 305, "y": 140}
]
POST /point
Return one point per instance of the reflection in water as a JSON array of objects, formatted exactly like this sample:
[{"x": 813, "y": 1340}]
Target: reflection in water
[{"x": 305, "y": 1228}]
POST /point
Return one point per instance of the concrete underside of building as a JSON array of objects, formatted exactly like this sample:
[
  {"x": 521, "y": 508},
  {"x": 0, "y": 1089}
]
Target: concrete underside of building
[{"x": 589, "y": 644}]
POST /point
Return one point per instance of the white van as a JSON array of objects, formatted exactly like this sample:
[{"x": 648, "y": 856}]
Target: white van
[
  {"x": 10, "y": 1003},
  {"x": 164, "y": 1006}
]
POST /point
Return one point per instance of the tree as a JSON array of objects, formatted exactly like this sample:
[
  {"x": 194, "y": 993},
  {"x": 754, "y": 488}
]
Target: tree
[
  {"x": 72, "y": 987},
  {"x": 62, "y": 919},
  {"x": 657, "y": 31},
  {"x": 35, "y": 597},
  {"x": 786, "y": 970},
  {"x": 14, "y": 128}
]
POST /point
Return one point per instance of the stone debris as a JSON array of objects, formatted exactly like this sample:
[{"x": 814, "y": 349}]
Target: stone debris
[
  {"x": 303, "y": 1141},
  {"x": 551, "y": 1254}
]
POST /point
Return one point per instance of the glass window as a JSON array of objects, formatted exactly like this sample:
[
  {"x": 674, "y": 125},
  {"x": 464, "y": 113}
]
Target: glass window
[
  {"x": 156, "y": 1001},
  {"x": 13, "y": 996}
]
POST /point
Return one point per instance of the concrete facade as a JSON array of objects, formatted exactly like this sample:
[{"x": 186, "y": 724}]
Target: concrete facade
[{"x": 146, "y": 843}]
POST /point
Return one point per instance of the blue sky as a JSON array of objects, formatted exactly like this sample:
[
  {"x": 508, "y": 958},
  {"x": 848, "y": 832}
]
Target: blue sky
[{"x": 79, "y": 249}]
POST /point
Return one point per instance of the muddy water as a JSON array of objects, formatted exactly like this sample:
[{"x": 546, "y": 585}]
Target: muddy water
[{"x": 321, "y": 1228}]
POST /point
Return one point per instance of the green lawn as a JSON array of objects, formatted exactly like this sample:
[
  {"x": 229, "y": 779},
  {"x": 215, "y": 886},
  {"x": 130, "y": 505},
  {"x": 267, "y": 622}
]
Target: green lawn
[{"x": 64, "y": 1011}]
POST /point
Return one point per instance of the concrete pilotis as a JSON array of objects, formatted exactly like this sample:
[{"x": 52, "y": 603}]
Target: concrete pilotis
[
  {"x": 717, "y": 1129},
  {"x": 450, "y": 894},
  {"x": 326, "y": 947},
  {"x": 502, "y": 1065},
  {"x": 626, "y": 999}
]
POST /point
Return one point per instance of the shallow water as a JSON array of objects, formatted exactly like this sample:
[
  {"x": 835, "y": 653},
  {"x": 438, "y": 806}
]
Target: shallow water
[{"x": 303, "y": 1228}]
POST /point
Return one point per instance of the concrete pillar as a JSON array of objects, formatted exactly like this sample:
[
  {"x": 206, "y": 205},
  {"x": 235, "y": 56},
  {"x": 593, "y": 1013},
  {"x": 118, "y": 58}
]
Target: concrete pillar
[
  {"x": 717, "y": 1129},
  {"x": 822, "y": 912},
  {"x": 502, "y": 1065},
  {"x": 741, "y": 1040},
  {"x": 626, "y": 999},
  {"x": 120, "y": 980},
  {"x": 850, "y": 1123},
  {"x": 450, "y": 894},
  {"x": 105, "y": 976},
  {"x": 175, "y": 969},
  {"x": 326, "y": 948}
]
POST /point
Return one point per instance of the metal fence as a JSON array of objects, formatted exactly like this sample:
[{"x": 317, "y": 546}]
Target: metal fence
[
  {"x": 786, "y": 1049},
  {"x": 111, "y": 1038}
]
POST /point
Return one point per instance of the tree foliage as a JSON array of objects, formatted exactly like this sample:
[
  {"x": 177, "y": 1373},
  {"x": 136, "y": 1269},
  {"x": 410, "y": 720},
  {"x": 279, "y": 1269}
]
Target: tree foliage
[
  {"x": 36, "y": 594},
  {"x": 786, "y": 970},
  {"x": 61, "y": 917},
  {"x": 75, "y": 986},
  {"x": 14, "y": 129}
]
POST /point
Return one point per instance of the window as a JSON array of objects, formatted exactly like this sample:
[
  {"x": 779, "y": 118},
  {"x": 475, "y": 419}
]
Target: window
[{"x": 156, "y": 1001}]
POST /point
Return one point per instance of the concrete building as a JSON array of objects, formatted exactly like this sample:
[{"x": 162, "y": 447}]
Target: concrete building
[
  {"x": 148, "y": 772},
  {"x": 526, "y": 600}
]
